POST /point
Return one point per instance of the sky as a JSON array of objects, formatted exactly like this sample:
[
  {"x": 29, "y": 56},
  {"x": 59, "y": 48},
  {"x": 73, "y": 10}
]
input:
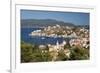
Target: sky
[{"x": 71, "y": 17}]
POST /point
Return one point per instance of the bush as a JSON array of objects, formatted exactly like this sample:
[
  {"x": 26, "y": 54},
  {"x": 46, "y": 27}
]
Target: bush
[
  {"x": 30, "y": 53},
  {"x": 79, "y": 54}
]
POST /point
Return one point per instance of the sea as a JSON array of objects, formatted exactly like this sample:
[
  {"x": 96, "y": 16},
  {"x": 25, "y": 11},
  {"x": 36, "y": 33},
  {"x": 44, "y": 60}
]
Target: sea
[{"x": 39, "y": 40}]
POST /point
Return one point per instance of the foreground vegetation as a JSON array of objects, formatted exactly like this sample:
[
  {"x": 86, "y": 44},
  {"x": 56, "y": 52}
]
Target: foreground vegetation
[{"x": 32, "y": 53}]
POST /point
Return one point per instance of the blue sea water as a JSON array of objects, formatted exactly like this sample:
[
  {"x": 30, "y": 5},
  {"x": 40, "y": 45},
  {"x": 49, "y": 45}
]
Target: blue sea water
[{"x": 39, "y": 40}]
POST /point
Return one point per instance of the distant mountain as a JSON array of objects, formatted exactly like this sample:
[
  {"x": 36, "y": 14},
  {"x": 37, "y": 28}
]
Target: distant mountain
[
  {"x": 31, "y": 23},
  {"x": 85, "y": 26}
]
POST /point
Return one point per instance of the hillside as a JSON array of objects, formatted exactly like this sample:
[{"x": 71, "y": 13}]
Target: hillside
[{"x": 42, "y": 23}]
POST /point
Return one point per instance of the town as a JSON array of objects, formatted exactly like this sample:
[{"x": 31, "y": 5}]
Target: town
[
  {"x": 67, "y": 49},
  {"x": 62, "y": 31}
]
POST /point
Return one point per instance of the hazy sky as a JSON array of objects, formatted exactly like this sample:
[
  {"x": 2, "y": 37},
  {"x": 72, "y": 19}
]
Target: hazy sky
[{"x": 72, "y": 17}]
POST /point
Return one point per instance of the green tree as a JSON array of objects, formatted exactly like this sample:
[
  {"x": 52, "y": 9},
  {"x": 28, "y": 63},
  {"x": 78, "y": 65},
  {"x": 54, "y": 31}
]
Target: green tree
[{"x": 26, "y": 52}]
